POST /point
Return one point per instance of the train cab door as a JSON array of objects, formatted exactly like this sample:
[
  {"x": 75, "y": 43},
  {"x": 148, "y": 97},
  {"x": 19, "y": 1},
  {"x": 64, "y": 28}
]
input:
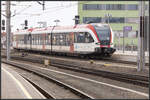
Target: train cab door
[{"x": 72, "y": 42}]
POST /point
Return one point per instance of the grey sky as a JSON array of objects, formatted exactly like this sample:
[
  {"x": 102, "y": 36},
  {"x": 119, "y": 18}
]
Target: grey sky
[{"x": 64, "y": 11}]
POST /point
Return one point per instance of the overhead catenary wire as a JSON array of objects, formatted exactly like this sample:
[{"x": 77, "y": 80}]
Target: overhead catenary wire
[
  {"x": 63, "y": 7},
  {"x": 51, "y": 9}
]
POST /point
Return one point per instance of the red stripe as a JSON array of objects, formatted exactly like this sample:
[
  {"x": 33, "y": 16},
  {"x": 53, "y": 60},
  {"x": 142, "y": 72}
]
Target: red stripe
[
  {"x": 94, "y": 31},
  {"x": 110, "y": 37},
  {"x": 72, "y": 43}
]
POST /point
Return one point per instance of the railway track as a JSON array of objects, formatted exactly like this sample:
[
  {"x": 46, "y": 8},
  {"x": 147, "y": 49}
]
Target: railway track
[
  {"x": 113, "y": 60},
  {"x": 128, "y": 78},
  {"x": 30, "y": 69},
  {"x": 94, "y": 89}
]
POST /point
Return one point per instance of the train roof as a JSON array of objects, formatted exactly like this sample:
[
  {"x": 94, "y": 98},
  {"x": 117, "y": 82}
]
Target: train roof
[{"x": 56, "y": 28}]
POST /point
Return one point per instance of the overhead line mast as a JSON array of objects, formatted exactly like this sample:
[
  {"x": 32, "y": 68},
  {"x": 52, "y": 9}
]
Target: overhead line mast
[{"x": 8, "y": 30}]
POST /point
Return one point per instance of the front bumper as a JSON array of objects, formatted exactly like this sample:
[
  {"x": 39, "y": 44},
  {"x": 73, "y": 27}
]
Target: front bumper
[{"x": 105, "y": 50}]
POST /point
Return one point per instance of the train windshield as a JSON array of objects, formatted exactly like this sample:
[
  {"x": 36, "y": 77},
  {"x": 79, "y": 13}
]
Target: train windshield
[{"x": 103, "y": 32}]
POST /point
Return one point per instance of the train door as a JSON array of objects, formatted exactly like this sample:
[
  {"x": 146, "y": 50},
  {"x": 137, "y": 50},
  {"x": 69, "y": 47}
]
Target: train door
[
  {"x": 43, "y": 39},
  {"x": 72, "y": 42}
]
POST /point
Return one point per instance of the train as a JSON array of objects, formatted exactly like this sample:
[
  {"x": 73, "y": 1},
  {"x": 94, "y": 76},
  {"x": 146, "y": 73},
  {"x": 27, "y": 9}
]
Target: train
[{"x": 94, "y": 39}]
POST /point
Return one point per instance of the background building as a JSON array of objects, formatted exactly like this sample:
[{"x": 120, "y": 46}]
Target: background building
[
  {"x": 121, "y": 13},
  {"x": 117, "y": 13}
]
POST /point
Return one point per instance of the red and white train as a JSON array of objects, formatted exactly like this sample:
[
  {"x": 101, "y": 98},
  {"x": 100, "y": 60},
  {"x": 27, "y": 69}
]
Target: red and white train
[{"x": 82, "y": 39}]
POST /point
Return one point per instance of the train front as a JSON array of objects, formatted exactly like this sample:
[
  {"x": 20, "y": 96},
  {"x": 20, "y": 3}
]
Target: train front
[{"x": 105, "y": 36}]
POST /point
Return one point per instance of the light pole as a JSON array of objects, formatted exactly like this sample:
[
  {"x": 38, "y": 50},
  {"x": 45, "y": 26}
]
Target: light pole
[
  {"x": 107, "y": 16},
  {"x": 52, "y": 38},
  {"x": 141, "y": 51},
  {"x": 123, "y": 39},
  {"x": 44, "y": 24},
  {"x": 22, "y": 25},
  {"x": 8, "y": 31}
]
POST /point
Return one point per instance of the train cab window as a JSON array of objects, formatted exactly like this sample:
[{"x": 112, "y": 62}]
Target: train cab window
[
  {"x": 83, "y": 37},
  {"x": 88, "y": 38}
]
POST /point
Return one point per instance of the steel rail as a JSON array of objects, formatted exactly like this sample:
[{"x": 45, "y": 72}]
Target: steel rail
[
  {"x": 29, "y": 68},
  {"x": 96, "y": 58},
  {"x": 129, "y": 78}
]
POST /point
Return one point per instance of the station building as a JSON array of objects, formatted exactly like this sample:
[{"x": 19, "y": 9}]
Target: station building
[{"x": 117, "y": 13}]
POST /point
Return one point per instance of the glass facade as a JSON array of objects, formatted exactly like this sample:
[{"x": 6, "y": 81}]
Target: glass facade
[
  {"x": 111, "y": 19},
  {"x": 92, "y": 19},
  {"x": 111, "y": 7}
]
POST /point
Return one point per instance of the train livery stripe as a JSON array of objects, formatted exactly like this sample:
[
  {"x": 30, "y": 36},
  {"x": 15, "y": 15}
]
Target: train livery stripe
[
  {"x": 92, "y": 28},
  {"x": 110, "y": 36},
  {"x": 72, "y": 42}
]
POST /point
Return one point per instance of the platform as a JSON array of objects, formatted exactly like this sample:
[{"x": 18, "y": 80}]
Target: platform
[{"x": 15, "y": 86}]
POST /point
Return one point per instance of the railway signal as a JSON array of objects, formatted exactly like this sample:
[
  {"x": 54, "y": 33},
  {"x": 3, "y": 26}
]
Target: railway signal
[
  {"x": 26, "y": 24},
  {"x": 3, "y": 24},
  {"x": 77, "y": 17}
]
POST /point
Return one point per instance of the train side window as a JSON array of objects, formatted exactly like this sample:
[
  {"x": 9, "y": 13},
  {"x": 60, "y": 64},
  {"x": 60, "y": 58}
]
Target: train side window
[
  {"x": 32, "y": 39},
  {"x": 49, "y": 39},
  {"x": 38, "y": 39},
  {"x": 35, "y": 39},
  {"x": 67, "y": 39},
  {"x": 80, "y": 37},
  {"x": 41, "y": 39},
  {"x": 54, "y": 39},
  {"x": 62, "y": 39}
]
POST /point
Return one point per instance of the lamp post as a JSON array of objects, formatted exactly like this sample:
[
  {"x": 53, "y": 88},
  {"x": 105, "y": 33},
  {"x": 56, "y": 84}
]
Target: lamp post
[
  {"x": 42, "y": 24},
  {"x": 107, "y": 16},
  {"x": 52, "y": 38}
]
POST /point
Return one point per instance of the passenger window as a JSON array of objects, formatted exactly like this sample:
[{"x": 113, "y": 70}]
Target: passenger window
[{"x": 80, "y": 37}]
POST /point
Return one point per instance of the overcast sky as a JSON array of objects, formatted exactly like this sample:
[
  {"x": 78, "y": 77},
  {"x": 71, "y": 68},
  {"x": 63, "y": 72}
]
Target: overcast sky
[{"x": 32, "y": 11}]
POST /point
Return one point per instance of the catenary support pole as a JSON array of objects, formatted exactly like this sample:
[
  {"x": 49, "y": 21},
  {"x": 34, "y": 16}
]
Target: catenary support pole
[
  {"x": 8, "y": 14},
  {"x": 141, "y": 51}
]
